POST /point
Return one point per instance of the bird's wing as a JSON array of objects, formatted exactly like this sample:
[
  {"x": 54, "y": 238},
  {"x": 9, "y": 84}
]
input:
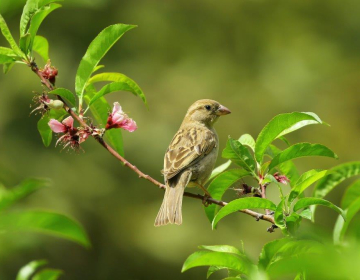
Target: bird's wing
[{"x": 186, "y": 148}]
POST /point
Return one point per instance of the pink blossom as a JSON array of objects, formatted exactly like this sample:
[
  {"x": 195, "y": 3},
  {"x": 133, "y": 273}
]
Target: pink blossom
[
  {"x": 72, "y": 136},
  {"x": 118, "y": 119},
  {"x": 57, "y": 126},
  {"x": 62, "y": 127}
]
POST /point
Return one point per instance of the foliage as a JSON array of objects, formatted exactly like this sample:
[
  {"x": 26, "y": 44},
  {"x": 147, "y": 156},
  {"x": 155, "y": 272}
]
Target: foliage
[
  {"x": 37, "y": 220},
  {"x": 29, "y": 271},
  {"x": 295, "y": 255}
]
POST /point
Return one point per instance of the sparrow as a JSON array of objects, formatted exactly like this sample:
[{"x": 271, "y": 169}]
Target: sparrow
[{"x": 190, "y": 157}]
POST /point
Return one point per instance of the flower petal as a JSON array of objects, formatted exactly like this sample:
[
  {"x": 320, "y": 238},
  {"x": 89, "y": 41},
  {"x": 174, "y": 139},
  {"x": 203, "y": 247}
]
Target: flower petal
[
  {"x": 118, "y": 118},
  {"x": 57, "y": 126},
  {"x": 129, "y": 125},
  {"x": 69, "y": 122},
  {"x": 117, "y": 108}
]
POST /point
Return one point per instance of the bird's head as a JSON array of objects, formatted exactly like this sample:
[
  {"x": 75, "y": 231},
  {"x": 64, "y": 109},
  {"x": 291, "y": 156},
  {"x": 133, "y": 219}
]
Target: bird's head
[{"x": 206, "y": 111}]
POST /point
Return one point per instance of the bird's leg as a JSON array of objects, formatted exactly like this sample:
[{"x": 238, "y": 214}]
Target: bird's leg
[{"x": 206, "y": 195}]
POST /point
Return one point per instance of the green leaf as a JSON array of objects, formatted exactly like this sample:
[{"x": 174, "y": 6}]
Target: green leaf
[
  {"x": 305, "y": 181},
  {"x": 293, "y": 223},
  {"x": 280, "y": 125},
  {"x": 222, "y": 248},
  {"x": 100, "y": 110},
  {"x": 294, "y": 248},
  {"x": 269, "y": 179},
  {"x": 41, "y": 46},
  {"x": 206, "y": 258},
  {"x": 339, "y": 173},
  {"x": 7, "y": 67},
  {"x": 241, "y": 204},
  {"x": 29, "y": 10},
  {"x": 45, "y": 222},
  {"x": 306, "y": 213},
  {"x": 7, "y": 52},
  {"x": 213, "y": 269},
  {"x": 341, "y": 224},
  {"x": 26, "y": 187},
  {"x": 287, "y": 168},
  {"x": 283, "y": 138},
  {"x": 279, "y": 215},
  {"x": 4, "y": 59},
  {"x": 96, "y": 51},
  {"x": 7, "y": 34},
  {"x": 47, "y": 2},
  {"x": 48, "y": 274},
  {"x": 219, "y": 185},
  {"x": 247, "y": 140},
  {"x": 65, "y": 93},
  {"x": 38, "y": 18},
  {"x": 97, "y": 68},
  {"x": 28, "y": 270},
  {"x": 301, "y": 150},
  {"x": 110, "y": 88},
  {"x": 120, "y": 78},
  {"x": 351, "y": 194},
  {"x": 239, "y": 154},
  {"x": 24, "y": 43},
  {"x": 307, "y": 201},
  {"x": 44, "y": 128},
  {"x": 219, "y": 169},
  {"x": 269, "y": 251}
]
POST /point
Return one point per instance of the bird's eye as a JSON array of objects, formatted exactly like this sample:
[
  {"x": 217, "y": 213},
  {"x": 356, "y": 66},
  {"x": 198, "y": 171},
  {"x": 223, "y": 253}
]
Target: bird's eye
[{"x": 208, "y": 107}]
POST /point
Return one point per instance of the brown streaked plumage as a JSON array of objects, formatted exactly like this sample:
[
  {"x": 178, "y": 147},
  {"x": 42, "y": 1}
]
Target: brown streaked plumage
[{"x": 190, "y": 157}]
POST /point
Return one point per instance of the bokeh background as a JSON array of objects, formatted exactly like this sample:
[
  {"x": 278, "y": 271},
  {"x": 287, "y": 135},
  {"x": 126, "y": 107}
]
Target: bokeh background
[{"x": 259, "y": 58}]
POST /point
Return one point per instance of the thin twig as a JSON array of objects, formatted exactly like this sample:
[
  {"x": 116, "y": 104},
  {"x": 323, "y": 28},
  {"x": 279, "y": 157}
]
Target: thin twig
[{"x": 99, "y": 139}]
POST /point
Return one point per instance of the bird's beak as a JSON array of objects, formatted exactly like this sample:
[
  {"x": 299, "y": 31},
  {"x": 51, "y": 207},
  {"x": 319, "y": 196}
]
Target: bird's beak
[{"x": 222, "y": 111}]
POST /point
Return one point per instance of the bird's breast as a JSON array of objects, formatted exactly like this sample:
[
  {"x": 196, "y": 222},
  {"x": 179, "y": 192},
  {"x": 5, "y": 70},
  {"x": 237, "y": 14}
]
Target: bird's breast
[{"x": 202, "y": 169}]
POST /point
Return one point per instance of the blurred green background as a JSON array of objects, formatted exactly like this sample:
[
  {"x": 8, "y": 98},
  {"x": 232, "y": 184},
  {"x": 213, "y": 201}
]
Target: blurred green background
[{"x": 259, "y": 58}]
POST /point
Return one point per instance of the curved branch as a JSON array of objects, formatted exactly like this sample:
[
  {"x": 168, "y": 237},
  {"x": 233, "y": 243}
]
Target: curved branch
[{"x": 100, "y": 140}]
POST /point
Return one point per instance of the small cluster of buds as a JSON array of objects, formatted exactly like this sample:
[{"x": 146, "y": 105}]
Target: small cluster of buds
[
  {"x": 49, "y": 72},
  {"x": 281, "y": 178},
  {"x": 44, "y": 104}
]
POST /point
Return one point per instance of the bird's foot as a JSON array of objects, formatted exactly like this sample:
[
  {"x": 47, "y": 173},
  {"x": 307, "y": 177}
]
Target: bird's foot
[
  {"x": 205, "y": 200},
  {"x": 259, "y": 217}
]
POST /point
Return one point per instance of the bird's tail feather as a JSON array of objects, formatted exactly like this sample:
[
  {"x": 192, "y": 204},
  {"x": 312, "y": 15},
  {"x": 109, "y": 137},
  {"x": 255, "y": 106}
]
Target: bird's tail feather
[{"x": 171, "y": 207}]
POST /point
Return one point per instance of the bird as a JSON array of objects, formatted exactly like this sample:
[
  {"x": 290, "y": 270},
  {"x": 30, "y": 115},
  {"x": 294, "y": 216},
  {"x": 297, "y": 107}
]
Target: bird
[{"x": 190, "y": 157}]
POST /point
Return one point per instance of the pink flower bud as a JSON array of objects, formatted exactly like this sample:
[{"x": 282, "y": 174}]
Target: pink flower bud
[
  {"x": 281, "y": 178},
  {"x": 49, "y": 72},
  {"x": 118, "y": 119}
]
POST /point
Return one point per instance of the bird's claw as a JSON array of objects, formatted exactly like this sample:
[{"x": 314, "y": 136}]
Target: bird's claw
[
  {"x": 205, "y": 200},
  {"x": 259, "y": 217}
]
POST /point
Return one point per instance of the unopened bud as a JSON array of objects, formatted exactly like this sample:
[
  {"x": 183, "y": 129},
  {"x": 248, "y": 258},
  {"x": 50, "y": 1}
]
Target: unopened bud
[{"x": 55, "y": 104}]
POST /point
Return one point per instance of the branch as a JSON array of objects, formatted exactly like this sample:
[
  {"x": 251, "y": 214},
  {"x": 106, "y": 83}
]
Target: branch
[{"x": 100, "y": 140}]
